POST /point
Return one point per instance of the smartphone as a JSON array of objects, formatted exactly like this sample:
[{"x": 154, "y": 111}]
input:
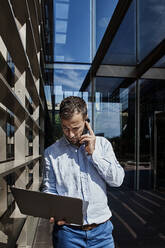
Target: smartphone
[{"x": 85, "y": 131}]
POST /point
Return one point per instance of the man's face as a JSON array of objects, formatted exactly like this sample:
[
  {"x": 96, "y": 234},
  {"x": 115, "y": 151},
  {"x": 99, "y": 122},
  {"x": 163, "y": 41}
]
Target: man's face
[{"x": 73, "y": 128}]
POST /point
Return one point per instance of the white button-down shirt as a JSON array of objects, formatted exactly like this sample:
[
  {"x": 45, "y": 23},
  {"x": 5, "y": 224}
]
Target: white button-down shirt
[{"x": 70, "y": 171}]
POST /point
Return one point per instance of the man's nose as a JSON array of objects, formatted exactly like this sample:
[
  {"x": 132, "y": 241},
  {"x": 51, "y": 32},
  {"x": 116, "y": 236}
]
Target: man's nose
[{"x": 71, "y": 134}]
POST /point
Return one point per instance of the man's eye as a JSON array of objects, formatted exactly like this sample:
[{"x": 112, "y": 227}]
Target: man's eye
[{"x": 65, "y": 128}]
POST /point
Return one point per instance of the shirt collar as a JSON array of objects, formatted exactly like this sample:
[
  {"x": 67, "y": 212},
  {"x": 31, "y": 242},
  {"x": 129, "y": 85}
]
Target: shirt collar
[{"x": 66, "y": 142}]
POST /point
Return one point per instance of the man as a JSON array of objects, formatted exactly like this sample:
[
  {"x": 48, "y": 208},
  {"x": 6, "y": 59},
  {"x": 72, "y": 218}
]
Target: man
[{"x": 80, "y": 165}]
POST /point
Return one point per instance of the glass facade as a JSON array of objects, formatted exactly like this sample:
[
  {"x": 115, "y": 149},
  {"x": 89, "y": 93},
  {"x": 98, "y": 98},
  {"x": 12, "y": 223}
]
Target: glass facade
[
  {"x": 152, "y": 143},
  {"x": 71, "y": 34},
  {"x": 78, "y": 28},
  {"x": 123, "y": 47},
  {"x": 126, "y": 108},
  {"x": 68, "y": 80},
  {"x": 102, "y": 16},
  {"x": 151, "y": 30},
  {"x": 116, "y": 106}
]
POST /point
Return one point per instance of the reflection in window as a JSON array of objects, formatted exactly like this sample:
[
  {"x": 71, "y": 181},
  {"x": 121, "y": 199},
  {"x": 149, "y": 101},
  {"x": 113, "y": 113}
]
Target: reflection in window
[
  {"x": 103, "y": 16},
  {"x": 61, "y": 26},
  {"x": 48, "y": 96},
  {"x": 71, "y": 34},
  {"x": 122, "y": 50},
  {"x": 151, "y": 25},
  {"x": 152, "y": 133},
  {"x": 29, "y": 138},
  {"x": 115, "y": 120},
  {"x": 48, "y": 89},
  {"x": 160, "y": 63},
  {"x": 62, "y": 10},
  {"x": 68, "y": 82},
  {"x": 10, "y": 71},
  {"x": 10, "y": 129},
  {"x": 69, "y": 79}
]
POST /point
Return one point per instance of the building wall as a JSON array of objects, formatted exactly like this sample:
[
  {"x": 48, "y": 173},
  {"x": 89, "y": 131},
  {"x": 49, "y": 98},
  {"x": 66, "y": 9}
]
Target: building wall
[{"x": 22, "y": 104}]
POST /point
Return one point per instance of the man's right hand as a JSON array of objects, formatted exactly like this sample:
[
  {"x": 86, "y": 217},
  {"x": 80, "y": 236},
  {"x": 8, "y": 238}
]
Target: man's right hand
[{"x": 59, "y": 223}]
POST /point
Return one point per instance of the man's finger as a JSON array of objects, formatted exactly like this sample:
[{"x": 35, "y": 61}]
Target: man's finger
[
  {"x": 61, "y": 222},
  {"x": 89, "y": 128},
  {"x": 84, "y": 139},
  {"x": 51, "y": 220}
]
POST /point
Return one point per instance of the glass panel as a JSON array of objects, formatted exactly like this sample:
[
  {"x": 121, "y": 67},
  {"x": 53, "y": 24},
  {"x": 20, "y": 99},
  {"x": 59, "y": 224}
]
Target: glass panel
[
  {"x": 3, "y": 132},
  {"x": 11, "y": 72},
  {"x": 48, "y": 31},
  {"x": 115, "y": 105},
  {"x": 10, "y": 130},
  {"x": 123, "y": 47},
  {"x": 48, "y": 89},
  {"x": 151, "y": 25},
  {"x": 72, "y": 31},
  {"x": 29, "y": 129},
  {"x": 29, "y": 141},
  {"x": 160, "y": 63},
  {"x": 103, "y": 16},
  {"x": 68, "y": 80},
  {"x": 152, "y": 133}
]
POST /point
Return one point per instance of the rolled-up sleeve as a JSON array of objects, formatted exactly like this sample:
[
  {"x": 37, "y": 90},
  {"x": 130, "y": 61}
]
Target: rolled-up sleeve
[
  {"x": 104, "y": 160},
  {"x": 49, "y": 179}
]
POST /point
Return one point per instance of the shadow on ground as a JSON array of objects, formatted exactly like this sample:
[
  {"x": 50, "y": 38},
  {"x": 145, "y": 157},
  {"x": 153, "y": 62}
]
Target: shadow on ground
[{"x": 138, "y": 219}]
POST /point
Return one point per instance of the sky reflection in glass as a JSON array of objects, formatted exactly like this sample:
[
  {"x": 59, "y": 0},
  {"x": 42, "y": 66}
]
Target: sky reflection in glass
[
  {"x": 151, "y": 25},
  {"x": 104, "y": 12},
  {"x": 108, "y": 106},
  {"x": 122, "y": 50},
  {"x": 72, "y": 31},
  {"x": 69, "y": 79}
]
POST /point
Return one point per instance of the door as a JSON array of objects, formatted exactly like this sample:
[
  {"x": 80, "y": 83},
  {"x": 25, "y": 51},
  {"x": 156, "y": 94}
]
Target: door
[{"x": 159, "y": 143}]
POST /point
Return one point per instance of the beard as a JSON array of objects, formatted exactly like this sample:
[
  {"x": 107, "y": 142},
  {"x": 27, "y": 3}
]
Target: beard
[{"x": 73, "y": 141}]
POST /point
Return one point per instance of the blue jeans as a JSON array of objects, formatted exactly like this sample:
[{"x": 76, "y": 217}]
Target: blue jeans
[{"x": 98, "y": 237}]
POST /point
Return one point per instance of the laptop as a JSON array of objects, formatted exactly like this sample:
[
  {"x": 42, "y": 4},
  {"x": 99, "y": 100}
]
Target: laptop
[{"x": 44, "y": 205}]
